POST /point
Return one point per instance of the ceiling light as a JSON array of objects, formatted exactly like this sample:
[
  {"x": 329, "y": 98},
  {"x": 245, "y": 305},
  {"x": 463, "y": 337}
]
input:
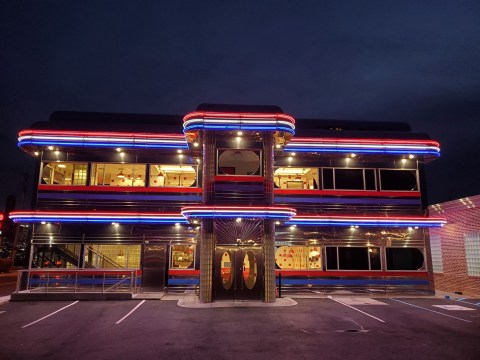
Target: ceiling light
[
  {"x": 240, "y": 133},
  {"x": 238, "y": 220},
  {"x": 278, "y": 146},
  {"x": 118, "y": 149},
  {"x": 353, "y": 155},
  {"x": 121, "y": 175},
  {"x": 404, "y": 161},
  {"x": 179, "y": 151},
  {"x": 62, "y": 166},
  {"x": 36, "y": 153},
  {"x": 411, "y": 156},
  {"x": 50, "y": 147},
  {"x": 195, "y": 144}
]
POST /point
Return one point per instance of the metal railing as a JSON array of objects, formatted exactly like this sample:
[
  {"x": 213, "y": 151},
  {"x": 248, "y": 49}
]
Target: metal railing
[{"x": 78, "y": 280}]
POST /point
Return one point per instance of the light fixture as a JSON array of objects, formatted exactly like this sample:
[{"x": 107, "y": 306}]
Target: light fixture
[
  {"x": 50, "y": 147},
  {"x": 290, "y": 159},
  {"x": 177, "y": 224},
  {"x": 277, "y": 222},
  {"x": 278, "y": 146},
  {"x": 240, "y": 133},
  {"x": 353, "y": 155},
  {"x": 62, "y": 166},
  {"x": 36, "y": 153},
  {"x": 118, "y": 149},
  {"x": 404, "y": 161},
  {"x": 179, "y": 151},
  {"x": 411, "y": 156},
  {"x": 238, "y": 220},
  {"x": 238, "y": 138},
  {"x": 195, "y": 144},
  {"x": 121, "y": 175},
  {"x": 57, "y": 152},
  {"x": 293, "y": 154}
]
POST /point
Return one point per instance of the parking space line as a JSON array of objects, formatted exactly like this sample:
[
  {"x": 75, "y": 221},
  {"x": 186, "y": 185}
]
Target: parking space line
[
  {"x": 363, "y": 312},
  {"x": 436, "y": 312},
  {"x": 131, "y": 311},
  {"x": 43, "y": 318},
  {"x": 467, "y": 302}
]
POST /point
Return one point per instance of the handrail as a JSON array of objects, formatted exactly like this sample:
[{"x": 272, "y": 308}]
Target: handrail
[{"x": 77, "y": 280}]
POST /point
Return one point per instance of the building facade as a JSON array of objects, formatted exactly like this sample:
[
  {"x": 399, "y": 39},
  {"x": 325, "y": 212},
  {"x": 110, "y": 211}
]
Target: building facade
[
  {"x": 456, "y": 246},
  {"x": 244, "y": 194}
]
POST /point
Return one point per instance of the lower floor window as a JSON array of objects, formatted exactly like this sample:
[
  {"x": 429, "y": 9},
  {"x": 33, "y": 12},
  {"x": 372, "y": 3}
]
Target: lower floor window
[
  {"x": 404, "y": 259},
  {"x": 353, "y": 258},
  {"x": 182, "y": 257},
  {"x": 298, "y": 257}
]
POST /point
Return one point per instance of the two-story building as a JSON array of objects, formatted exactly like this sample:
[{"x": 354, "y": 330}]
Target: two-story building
[{"x": 240, "y": 196}]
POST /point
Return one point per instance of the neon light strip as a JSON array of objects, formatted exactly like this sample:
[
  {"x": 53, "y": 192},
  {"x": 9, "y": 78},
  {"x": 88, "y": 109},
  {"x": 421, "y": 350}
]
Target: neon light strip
[
  {"x": 238, "y": 121},
  {"x": 366, "y": 221},
  {"x": 234, "y": 212},
  {"x": 101, "y": 139},
  {"x": 225, "y": 115},
  {"x": 419, "y": 147},
  {"x": 96, "y": 217}
]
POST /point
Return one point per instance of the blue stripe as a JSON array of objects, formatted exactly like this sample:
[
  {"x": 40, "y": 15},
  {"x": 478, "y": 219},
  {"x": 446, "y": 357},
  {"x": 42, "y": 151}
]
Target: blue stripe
[
  {"x": 351, "y": 282},
  {"x": 183, "y": 281}
]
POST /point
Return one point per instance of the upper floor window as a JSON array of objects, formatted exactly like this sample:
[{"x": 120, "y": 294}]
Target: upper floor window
[
  {"x": 398, "y": 180},
  {"x": 172, "y": 176},
  {"x": 296, "y": 178},
  {"x": 239, "y": 162},
  {"x": 64, "y": 173},
  {"x": 118, "y": 174},
  {"x": 348, "y": 179}
]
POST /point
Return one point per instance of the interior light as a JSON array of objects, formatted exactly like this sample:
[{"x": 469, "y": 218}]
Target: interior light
[
  {"x": 43, "y": 222},
  {"x": 115, "y": 224},
  {"x": 290, "y": 158},
  {"x": 121, "y": 175},
  {"x": 416, "y": 227},
  {"x": 410, "y": 228},
  {"x": 177, "y": 224},
  {"x": 62, "y": 166}
]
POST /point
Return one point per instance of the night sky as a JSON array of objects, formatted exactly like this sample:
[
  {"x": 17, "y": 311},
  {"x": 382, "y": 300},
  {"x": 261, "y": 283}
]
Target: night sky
[{"x": 410, "y": 61}]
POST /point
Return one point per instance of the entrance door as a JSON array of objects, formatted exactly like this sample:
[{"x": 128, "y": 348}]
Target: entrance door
[
  {"x": 154, "y": 263},
  {"x": 238, "y": 273}
]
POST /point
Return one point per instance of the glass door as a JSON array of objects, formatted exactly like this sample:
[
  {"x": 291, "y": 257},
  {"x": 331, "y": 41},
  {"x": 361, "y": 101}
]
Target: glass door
[{"x": 238, "y": 273}]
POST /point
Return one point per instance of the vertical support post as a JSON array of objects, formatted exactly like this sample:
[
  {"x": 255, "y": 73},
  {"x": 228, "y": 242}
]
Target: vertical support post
[
  {"x": 207, "y": 246},
  {"x": 269, "y": 225},
  {"x": 207, "y": 241}
]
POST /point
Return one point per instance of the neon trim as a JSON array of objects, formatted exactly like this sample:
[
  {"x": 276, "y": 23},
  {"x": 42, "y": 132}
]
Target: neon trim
[
  {"x": 359, "y": 193},
  {"x": 120, "y": 189},
  {"x": 368, "y": 146},
  {"x": 234, "y": 115},
  {"x": 256, "y": 212},
  {"x": 366, "y": 221},
  {"x": 101, "y": 139},
  {"x": 96, "y": 217}
]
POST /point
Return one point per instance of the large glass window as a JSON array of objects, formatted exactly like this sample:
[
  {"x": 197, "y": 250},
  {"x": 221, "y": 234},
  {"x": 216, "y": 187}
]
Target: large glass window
[
  {"x": 348, "y": 179},
  {"x": 239, "y": 162},
  {"x": 436, "y": 248},
  {"x": 112, "y": 256},
  {"x": 64, "y": 173},
  {"x": 353, "y": 258},
  {"x": 298, "y": 258},
  {"x": 399, "y": 180},
  {"x": 472, "y": 252},
  {"x": 296, "y": 178},
  {"x": 172, "y": 176},
  {"x": 182, "y": 257},
  {"x": 118, "y": 174},
  {"x": 404, "y": 259}
]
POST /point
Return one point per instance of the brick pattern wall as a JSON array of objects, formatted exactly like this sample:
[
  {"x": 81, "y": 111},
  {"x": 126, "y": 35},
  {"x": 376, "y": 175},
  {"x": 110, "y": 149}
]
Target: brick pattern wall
[{"x": 461, "y": 219}]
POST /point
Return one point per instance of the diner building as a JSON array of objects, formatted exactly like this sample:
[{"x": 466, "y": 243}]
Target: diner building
[{"x": 237, "y": 197}]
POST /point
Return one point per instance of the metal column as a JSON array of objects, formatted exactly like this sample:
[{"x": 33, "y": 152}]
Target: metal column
[
  {"x": 207, "y": 242},
  {"x": 269, "y": 225}
]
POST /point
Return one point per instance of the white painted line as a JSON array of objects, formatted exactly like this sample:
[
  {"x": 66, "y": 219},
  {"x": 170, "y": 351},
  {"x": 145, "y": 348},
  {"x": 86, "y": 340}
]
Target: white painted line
[
  {"x": 1, "y": 312},
  {"x": 454, "y": 307},
  {"x": 361, "y": 301},
  {"x": 135, "y": 308},
  {"x": 363, "y": 312},
  {"x": 43, "y": 318},
  {"x": 467, "y": 302},
  {"x": 436, "y": 312}
]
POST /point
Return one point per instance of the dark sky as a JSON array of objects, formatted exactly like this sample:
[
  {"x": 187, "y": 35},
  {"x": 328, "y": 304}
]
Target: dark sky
[{"x": 412, "y": 61}]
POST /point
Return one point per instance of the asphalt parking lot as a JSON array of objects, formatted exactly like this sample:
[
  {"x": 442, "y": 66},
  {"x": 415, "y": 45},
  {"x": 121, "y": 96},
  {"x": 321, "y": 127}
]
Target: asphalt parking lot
[{"x": 322, "y": 328}]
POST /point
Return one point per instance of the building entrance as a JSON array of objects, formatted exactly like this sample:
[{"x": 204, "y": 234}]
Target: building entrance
[{"x": 238, "y": 273}]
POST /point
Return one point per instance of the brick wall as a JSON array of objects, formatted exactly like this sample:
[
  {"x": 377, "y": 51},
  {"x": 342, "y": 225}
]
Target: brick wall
[{"x": 463, "y": 216}]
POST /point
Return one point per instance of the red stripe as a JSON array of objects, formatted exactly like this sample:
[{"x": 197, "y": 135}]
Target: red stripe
[
  {"x": 184, "y": 272},
  {"x": 233, "y": 178},
  {"x": 121, "y": 189},
  {"x": 361, "y": 193},
  {"x": 101, "y": 133},
  {"x": 318, "y": 273}
]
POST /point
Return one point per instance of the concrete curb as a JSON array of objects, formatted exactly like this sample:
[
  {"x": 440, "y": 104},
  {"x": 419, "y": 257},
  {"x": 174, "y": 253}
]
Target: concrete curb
[
  {"x": 69, "y": 296},
  {"x": 194, "y": 303}
]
